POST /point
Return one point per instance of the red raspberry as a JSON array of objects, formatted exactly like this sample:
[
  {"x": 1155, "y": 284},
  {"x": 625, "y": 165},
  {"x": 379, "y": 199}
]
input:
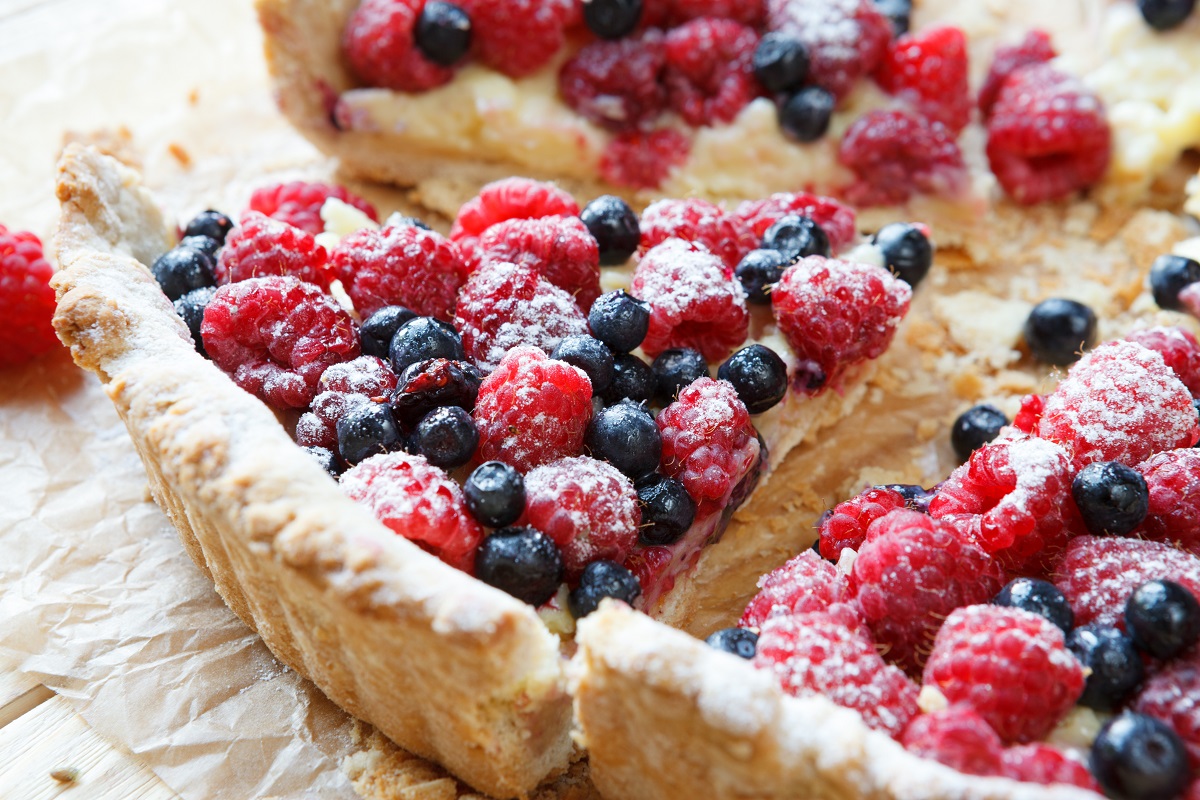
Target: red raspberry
[
  {"x": 1011, "y": 666},
  {"x": 1035, "y": 48},
  {"x": 1172, "y": 696},
  {"x": 26, "y": 299},
  {"x": 617, "y": 84},
  {"x": 587, "y": 507},
  {"x": 929, "y": 70},
  {"x": 804, "y": 584},
  {"x": 1098, "y": 574},
  {"x": 836, "y": 314},
  {"x": 816, "y": 654},
  {"x": 650, "y": 565},
  {"x": 299, "y": 203},
  {"x": 835, "y": 218},
  {"x": 846, "y": 526},
  {"x": 643, "y": 160},
  {"x": 710, "y": 74},
  {"x": 510, "y": 198},
  {"x": 517, "y": 37},
  {"x": 419, "y": 502},
  {"x": 669, "y": 13},
  {"x": 1041, "y": 763},
  {"x": 343, "y": 387},
  {"x": 699, "y": 222},
  {"x": 1047, "y": 136},
  {"x": 846, "y": 39},
  {"x": 1030, "y": 413},
  {"x": 378, "y": 43},
  {"x": 693, "y": 303},
  {"x": 895, "y": 154},
  {"x": 402, "y": 265},
  {"x": 263, "y": 246},
  {"x": 708, "y": 442},
  {"x": 913, "y": 571},
  {"x": 276, "y": 335},
  {"x": 1120, "y": 402},
  {"x": 532, "y": 410},
  {"x": 1173, "y": 478},
  {"x": 957, "y": 737},
  {"x": 560, "y": 249},
  {"x": 1179, "y": 349},
  {"x": 506, "y": 305}
]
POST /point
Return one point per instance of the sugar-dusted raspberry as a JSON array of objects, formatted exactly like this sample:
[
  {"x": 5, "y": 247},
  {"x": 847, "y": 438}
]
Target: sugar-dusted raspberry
[
  {"x": 26, "y": 299},
  {"x": 262, "y": 246},
  {"x": 1011, "y": 666},
  {"x": 1035, "y": 48},
  {"x": 895, "y": 154},
  {"x": 510, "y": 198},
  {"x": 816, "y": 654},
  {"x": 846, "y": 39},
  {"x": 378, "y": 43},
  {"x": 957, "y": 737},
  {"x": 836, "y": 314},
  {"x": 1179, "y": 348},
  {"x": 1044, "y": 764},
  {"x": 400, "y": 265},
  {"x": 1120, "y": 402},
  {"x": 617, "y": 84},
  {"x": 586, "y": 506},
  {"x": 669, "y": 13},
  {"x": 708, "y": 442},
  {"x": 518, "y": 37},
  {"x": 532, "y": 410},
  {"x": 276, "y": 335},
  {"x": 1173, "y": 478},
  {"x": 709, "y": 73},
  {"x": 693, "y": 303},
  {"x": 846, "y": 526},
  {"x": 929, "y": 71},
  {"x": 505, "y": 305},
  {"x": 834, "y": 217},
  {"x": 805, "y": 583},
  {"x": 559, "y": 248},
  {"x": 342, "y": 388},
  {"x": 1098, "y": 574},
  {"x": 699, "y": 222},
  {"x": 643, "y": 159},
  {"x": 913, "y": 571},
  {"x": 1048, "y": 135},
  {"x": 298, "y": 203},
  {"x": 419, "y": 502},
  {"x": 1173, "y": 696}
]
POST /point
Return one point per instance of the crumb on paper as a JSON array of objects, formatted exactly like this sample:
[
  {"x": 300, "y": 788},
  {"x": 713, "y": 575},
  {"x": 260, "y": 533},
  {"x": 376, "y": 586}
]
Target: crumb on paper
[
  {"x": 193, "y": 97},
  {"x": 181, "y": 155},
  {"x": 65, "y": 774}
]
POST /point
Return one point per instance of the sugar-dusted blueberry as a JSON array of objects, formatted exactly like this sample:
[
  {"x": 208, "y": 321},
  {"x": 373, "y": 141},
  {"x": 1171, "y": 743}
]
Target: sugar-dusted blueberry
[
  {"x": 522, "y": 562},
  {"x": 326, "y": 458},
  {"x": 1136, "y": 757},
  {"x": 495, "y": 494},
  {"x": 190, "y": 308},
  {"x": 1163, "y": 15},
  {"x": 780, "y": 62},
  {"x": 624, "y": 435},
  {"x": 602, "y": 579},
  {"x": 612, "y": 19},
  {"x": 1163, "y": 618},
  {"x": 759, "y": 270},
  {"x": 443, "y": 32},
  {"x": 1169, "y": 275},
  {"x": 1059, "y": 330},
  {"x": 899, "y": 12},
  {"x": 1114, "y": 665},
  {"x": 974, "y": 428},
  {"x": 423, "y": 338},
  {"x": 805, "y": 115},
  {"x": 619, "y": 320},
  {"x": 667, "y": 510},
  {"x": 212, "y": 224},
  {"x": 379, "y": 329},
  {"x": 183, "y": 269},
  {"x": 1112, "y": 498},
  {"x": 632, "y": 379},
  {"x": 759, "y": 376},
  {"x": 205, "y": 244},
  {"x": 907, "y": 251},
  {"x": 368, "y": 430},
  {"x": 432, "y": 383},
  {"x": 674, "y": 370},
  {"x": 590, "y": 355},
  {"x": 739, "y": 641},
  {"x": 796, "y": 236},
  {"x": 615, "y": 228},
  {"x": 447, "y": 437},
  {"x": 1039, "y": 597}
]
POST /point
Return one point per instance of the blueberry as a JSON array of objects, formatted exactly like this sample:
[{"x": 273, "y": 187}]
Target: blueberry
[
  {"x": 495, "y": 494},
  {"x": 398, "y": 220},
  {"x": 1163, "y": 618},
  {"x": 612, "y": 19},
  {"x": 1114, "y": 665},
  {"x": 674, "y": 370},
  {"x": 974, "y": 428},
  {"x": 1136, "y": 757},
  {"x": 667, "y": 510},
  {"x": 602, "y": 579},
  {"x": 591, "y": 356},
  {"x": 898, "y": 11},
  {"x": 759, "y": 376},
  {"x": 368, "y": 430},
  {"x": 212, "y": 224},
  {"x": 739, "y": 641},
  {"x": 614, "y": 226},
  {"x": 1196, "y": 405},
  {"x": 190, "y": 308},
  {"x": 780, "y": 62},
  {"x": 795, "y": 237},
  {"x": 325, "y": 457},
  {"x": 1169, "y": 275},
  {"x": 632, "y": 379},
  {"x": 432, "y": 383},
  {"x": 422, "y": 338},
  {"x": 1163, "y": 15},
  {"x": 1059, "y": 330},
  {"x": 907, "y": 251},
  {"x": 624, "y": 435},
  {"x": 619, "y": 320},
  {"x": 377, "y": 332},
  {"x": 205, "y": 244},
  {"x": 759, "y": 270},
  {"x": 916, "y": 498},
  {"x": 182, "y": 269},
  {"x": 521, "y": 561},
  {"x": 443, "y": 32},
  {"x": 805, "y": 115},
  {"x": 1112, "y": 498},
  {"x": 1039, "y": 597},
  {"x": 447, "y": 437}
]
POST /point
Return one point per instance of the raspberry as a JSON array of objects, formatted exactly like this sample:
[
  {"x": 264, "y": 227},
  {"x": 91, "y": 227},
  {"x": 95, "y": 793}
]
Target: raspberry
[
  {"x": 895, "y": 153},
  {"x": 693, "y": 303},
  {"x": 505, "y": 305},
  {"x": 1011, "y": 666},
  {"x": 617, "y": 84},
  {"x": 419, "y": 502},
  {"x": 806, "y": 583},
  {"x": 640, "y": 160},
  {"x": 1179, "y": 349},
  {"x": 847, "y": 525},
  {"x": 517, "y": 37},
  {"x": 1035, "y": 48},
  {"x": 587, "y": 507},
  {"x": 402, "y": 265},
  {"x": 1047, "y": 136},
  {"x": 929, "y": 70},
  {"x": 957, "y": 737},
  {"x": 836, "y": 314},
  {"x": 846, "y": 39},
  {"x": 708, "y": 442},
  {"x": 709, "y": 73},
  {"x": 1171, "y": 696},
  {"x": 431, "y": 384},
  {"x": 299, "y": 203},
  {"x": 816, "y": 654},
  {"x": 1120, "y": 402},
  {"x": 532, "y": 410},
  {"x": 275, "y": 336},
  {"x": 263, "y": 246},
  {"x": 378, "y": 43},
  {"x": 669, "y": 13},
  {"x": 1030, "y": 413},
  {"x": 699, "y": 222},
  {"x": 1041, "y": 763},
  {"x": 649, "y": 565},
  {"x": 835, "y": 218},
  {"x": 560, "y": 249},
  {"x": 1098, "y": 574},
  {"x": 342, "y": 388},
  {"x": 913, "y": 571},
  {"x": 1173, "y": 478},
  {"x": 510, "y": 198},
  {"x": 26, "y": 299}
]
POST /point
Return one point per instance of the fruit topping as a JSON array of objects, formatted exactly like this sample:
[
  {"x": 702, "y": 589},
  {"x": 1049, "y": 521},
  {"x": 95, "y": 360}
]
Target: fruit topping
[
  {"x": 182, "y": 269},
  {"x": 612, "y": 19},
  {"x": 421, "y": 339},
  {"x": 1170, "y": 275},
  {"x": 709, "y": 69},
  {"x": 619, "y": 321},
  {"x": 846, "y": 525},
  {"x": 1164, "y": 15},
  {"x": 805, "y": 115},
  {"x": 446, "y": 437},
  {"x": 928, "y": 70},
  {"x": 907, "y": 251},
  {"x": 803, "y": 585},
  {"x": 624, "y": 435},
  {"x": 210, "y": 223},
  {"x": 400, "y": 265},
  {"x": 675, "y": 369},
  {"x": 1112, "y": 498},
  {"x": 845, "y": 39},
  {"x": 1170, "y": 696},
  {"x": 1114, "y": 666},
  {"x": 1173, "y": 482},
  {"x": 618, "y": 84},
  {"x": 974, "y": 428},
  {"x": 1136, "y": 757},
  {"x": 510, "y": 198},
  {"x": 1163, "y": 618},
  {"x": 26, "y": 299},
  {"x": 365, "y": 430},
  {"x": 522, "y": 562},
  {"x": 700, "y": 223},
  {"x": 263, "y": 246},
  {"x": 1179, "y": 348},
  {"x": 591, "y": 356},
  {"x": 495, "y": 494},
  {"x": 957, "y": 737},
  {"x": 518, "y": 37},
  {"x": 796, "y": 237},
  {"x": 632, "y": 380},
  {"x": 342, "y": 388},
  {"x": 758, "y": 375},
  {"x": 299, "y": 203},
  {"x": 378, "y": 329},
  {"x": 836, "y": 219},
  {"x": 614, "y": 226},
  {"x": 443, "y": 32},
  {"x": 190, "y": 309},
  {"x": 378, "y": 43},
  {"x": 780, "y": 63},
  {"x": 643, "y": 159},
  {"x": 559, "y": 248},
  {"x": 895, "y": 154},
  {"x": 758, "y": 273},
  {"x": 738, "y": 641},
  {"x": 1037, "y": 597},
  {"x": 602, "y": 579},
  {"x": 1035, "y": 48},
  {"x": 1058, "y": 331},
  {"x": 667, "y": 510}
]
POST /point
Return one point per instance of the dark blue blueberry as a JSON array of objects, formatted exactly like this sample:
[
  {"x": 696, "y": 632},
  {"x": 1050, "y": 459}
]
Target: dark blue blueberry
[
  {"x": 1136, "y": 757},
  {"x": 780, "y": 62},
  {"x": 667, "y": 510},
  {"x": 399, "y": 220},
  {"x": 190, "y": 308},
  {"x": 1163, "y": 618},
  {"x": 674, "y": 370},
  {"x": 379, "y": 329},
  {"x": 795, "y": 237},
  {"x": 1112, "y": 498},
  {"x": 443, "y": 32},
  {"x": 614, "y": 226},
  {"x": 328, "y": 461},
  {"x": 974, "y": 428},
  {"x": 916, "y": 498},
  {"x": 907, "y": 251},
  {"x": 632, "y": 379},
  {"x": 624, "y": 435},
  {"x": 205, "y": 244},
  {"x": 447, "y": 437},
  {"x": 898, "y": 11},
  {"x": 805, "y": 115},
  {"x": 423, "y": 338},
  {"x": 758, "y": 270},
  {"x": 602, "y": 579},
  {"x": 739, "y": 641},
  {"x": 368, "y": 430},
  {"x": 1114, "y": 664},
  {"x": 212, "y": 224},
  {"x": 1163, "y": 15},
  {"x": 759, "y": 376},
  {"x": 495, "y": 494},
  {"x": 1169, "y": 275},
  {"x": 619, "y": 320},
  {"x": 1059, "y": 330},
  {"x": 433, "y": 383},
  {"x": 183, "y": 269},
  {"x": 590, "y": 355},
  {"x": 521, "y": 561},
  {"x": 1039, "y": 597},
  {"x": 612, "y": 19}
]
